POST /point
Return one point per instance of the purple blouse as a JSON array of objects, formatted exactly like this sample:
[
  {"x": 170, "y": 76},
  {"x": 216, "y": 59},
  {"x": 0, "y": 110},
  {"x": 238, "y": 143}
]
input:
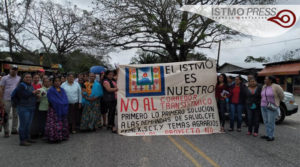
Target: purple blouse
[{"x": 267, "y": 95}]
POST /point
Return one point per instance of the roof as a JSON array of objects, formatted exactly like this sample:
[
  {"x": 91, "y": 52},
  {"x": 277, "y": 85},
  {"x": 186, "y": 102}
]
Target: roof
[
  {"x": 18, "y": 63},
  {"x": 281, "y": 69},
  {"x": 245, "y": 65},
  {"x": 282, "y": 62},
  {"x": 243, "y": 68}
]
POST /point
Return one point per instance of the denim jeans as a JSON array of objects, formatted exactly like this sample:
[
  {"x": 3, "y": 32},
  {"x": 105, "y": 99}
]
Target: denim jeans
[
  {"x": 269, "y": 120},
  {"x": 8, "y": 106},
  {"x": 236, "y": 109},
  {"x": 222, "y": 109},
  {"x": 25, "y": 117},
  {"x": 253, "y": 120}
]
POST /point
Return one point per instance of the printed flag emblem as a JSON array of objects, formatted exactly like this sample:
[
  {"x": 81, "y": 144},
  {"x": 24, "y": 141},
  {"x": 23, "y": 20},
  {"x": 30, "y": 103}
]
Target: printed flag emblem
[{"x": 145, "y": 81}]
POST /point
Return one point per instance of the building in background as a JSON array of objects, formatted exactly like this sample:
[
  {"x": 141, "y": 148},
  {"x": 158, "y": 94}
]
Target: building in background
[
  {"x": 287, "y": 73},
  {"x": 244, "y": 69}
]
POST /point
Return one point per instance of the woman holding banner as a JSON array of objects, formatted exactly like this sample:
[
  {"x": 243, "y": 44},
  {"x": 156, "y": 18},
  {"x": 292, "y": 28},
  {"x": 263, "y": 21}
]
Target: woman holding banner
[
  {"x": 237, "y": 101},
  {"x": 110, "y": 98},
  {"x": 222, "y": 93}
]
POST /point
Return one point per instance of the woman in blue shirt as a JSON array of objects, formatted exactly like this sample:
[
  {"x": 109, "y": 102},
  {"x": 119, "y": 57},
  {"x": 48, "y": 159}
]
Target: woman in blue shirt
[{"x": 26, "y": 103}]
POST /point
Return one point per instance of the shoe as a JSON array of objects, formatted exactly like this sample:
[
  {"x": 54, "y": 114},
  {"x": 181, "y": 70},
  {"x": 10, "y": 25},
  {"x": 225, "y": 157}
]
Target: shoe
[
  {"x": 270, "y": 139},
  {"x": 25, "y": 144},
  {"x": 222, "y": 129},
  {"x": 238, "y": 130},
  {"x": 6, "y": 135},
  {"x": 230, "y": 130},
  {"x": 14, "y": 132},
  {"x": 264, "y": 137},
  {"x": 74, "y": 132},
  {"x": 31, "y": 141},
  {"x": 255, "y": 134},
  {"x": 249, "y": 133},
  {"x": 35, "y": 136}
]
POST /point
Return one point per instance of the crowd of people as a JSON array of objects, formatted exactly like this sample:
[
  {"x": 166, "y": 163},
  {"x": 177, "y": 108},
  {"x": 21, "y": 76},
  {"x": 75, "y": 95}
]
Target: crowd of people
[
  {"x": 51, "y": 107},
  {"x": 234, "y": 96}
]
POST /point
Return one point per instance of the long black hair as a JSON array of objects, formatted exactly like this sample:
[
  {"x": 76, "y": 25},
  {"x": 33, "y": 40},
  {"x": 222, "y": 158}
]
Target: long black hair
[
  {"x": 272, "y": 79},
  {"x": 224, "y": 80},
  {"x": 54, "y": 78},
  {"x": 107, "y": 72}
]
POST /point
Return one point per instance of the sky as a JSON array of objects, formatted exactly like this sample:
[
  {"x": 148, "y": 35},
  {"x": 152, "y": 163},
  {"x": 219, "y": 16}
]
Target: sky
[{"x": 231, "y": 51}]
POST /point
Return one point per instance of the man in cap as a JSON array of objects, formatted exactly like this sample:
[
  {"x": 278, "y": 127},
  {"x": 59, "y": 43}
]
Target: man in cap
[{"x": 7, "y": 84}]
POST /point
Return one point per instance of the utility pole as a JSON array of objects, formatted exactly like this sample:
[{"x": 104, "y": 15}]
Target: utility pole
[{"x": 218, "y": 54}]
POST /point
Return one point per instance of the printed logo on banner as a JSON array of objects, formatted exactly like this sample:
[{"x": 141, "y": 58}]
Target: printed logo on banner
[{"x": 145, "y": 81}]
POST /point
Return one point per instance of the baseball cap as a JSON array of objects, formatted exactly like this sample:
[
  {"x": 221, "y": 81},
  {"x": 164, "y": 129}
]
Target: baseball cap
[
  {"x": 41, "y": 70},
  {"x": 14, "y": 67}
]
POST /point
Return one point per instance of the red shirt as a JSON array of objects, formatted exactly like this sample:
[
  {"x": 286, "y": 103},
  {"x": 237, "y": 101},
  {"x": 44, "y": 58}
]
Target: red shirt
[
  {"x": 235, "y": 95},
  {"x": 36, "y": 86},
  {"x": 219, "y": 90}
]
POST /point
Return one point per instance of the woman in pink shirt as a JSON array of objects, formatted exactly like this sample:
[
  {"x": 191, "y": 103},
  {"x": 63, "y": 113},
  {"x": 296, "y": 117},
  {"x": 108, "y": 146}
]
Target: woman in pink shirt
[{"x": 271, "y": 96}]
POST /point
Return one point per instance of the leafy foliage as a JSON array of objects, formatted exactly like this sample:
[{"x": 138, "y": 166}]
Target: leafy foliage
[
  {"x": 160, "y": 25},
  {"x": 151, "y": 58},
  {"x": 251, "y": 59}
]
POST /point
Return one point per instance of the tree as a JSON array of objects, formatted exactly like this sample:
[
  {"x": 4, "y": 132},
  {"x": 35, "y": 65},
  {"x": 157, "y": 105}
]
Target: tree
[
  {"x": 11, "y": 23},
  {"x": 79, "y": 61},
  {"x": 145, "y": 58},
  {"x": 151, "y": 58},
  {"x": 151, "y": 25},
  {"x": 251, "y": 59},
  {"x": 286, "y": 55},
  {"x": 59, "y": 29},
  {"x": 196, "y": 57}
]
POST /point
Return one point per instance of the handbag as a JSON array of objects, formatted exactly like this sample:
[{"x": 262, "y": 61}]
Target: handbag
[{"x": 270, "y": 106}]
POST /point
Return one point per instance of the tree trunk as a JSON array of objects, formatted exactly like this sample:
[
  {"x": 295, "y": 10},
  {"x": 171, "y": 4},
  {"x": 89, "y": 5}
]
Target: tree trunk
[
  {"x": 10, "y": 44},
  {"x": 183, "y": 53}
]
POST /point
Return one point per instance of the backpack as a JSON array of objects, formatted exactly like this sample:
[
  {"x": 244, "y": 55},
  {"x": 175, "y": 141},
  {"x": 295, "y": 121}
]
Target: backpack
[{"x": 14, "y": 96}]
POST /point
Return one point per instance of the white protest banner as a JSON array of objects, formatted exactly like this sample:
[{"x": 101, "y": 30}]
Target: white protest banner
[{"x": 168, "y": 99}]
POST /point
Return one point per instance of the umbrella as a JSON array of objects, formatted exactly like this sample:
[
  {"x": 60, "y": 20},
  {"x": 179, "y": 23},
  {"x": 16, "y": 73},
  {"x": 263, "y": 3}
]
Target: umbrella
[{"x": 97, "y": 69}]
